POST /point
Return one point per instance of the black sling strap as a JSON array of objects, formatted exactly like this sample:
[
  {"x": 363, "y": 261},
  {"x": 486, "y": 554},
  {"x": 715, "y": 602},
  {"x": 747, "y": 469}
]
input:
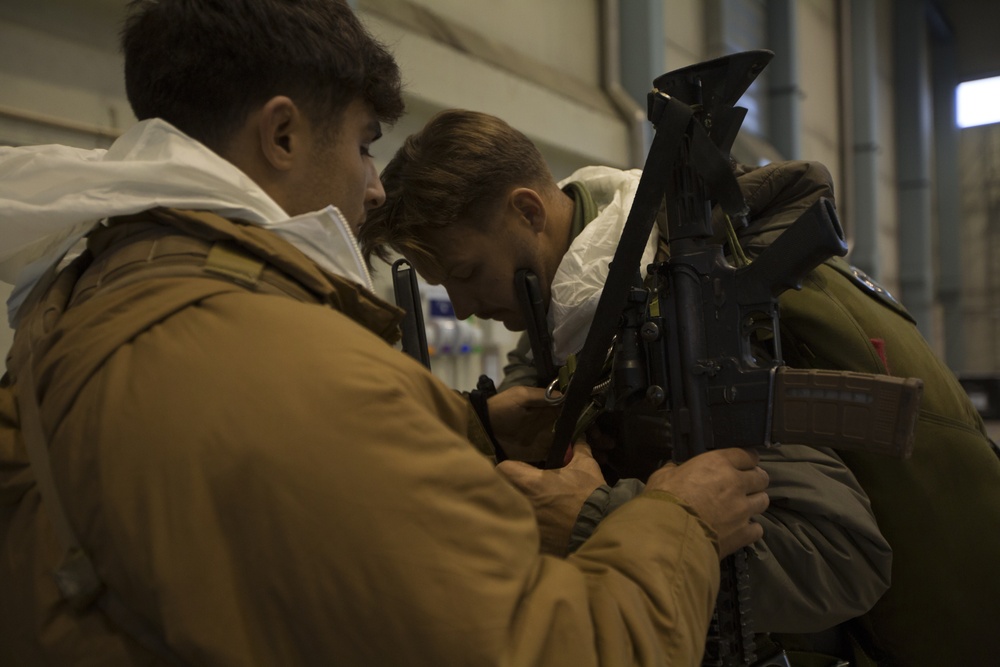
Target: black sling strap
[{"x": 664, "y": 151}]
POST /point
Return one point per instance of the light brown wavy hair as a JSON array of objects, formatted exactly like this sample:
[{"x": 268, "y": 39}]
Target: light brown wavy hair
[{"x": 452, "y": 172}]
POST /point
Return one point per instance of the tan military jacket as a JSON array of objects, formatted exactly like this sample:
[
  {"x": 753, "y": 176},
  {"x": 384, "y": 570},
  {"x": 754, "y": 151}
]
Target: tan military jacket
[{"x": 266, "y": 481}]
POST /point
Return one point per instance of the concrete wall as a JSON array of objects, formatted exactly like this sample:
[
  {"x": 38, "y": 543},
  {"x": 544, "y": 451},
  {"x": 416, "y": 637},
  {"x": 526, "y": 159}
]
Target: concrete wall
[
  {"x": 979, "y": 159},
  {"x": 534, "y": 65},
  {"x": 684, "y": 31},
  {"x": 887, "y": 205},
  {"x": 819, "y": 71},
  {"x": 537, "y": 65}
]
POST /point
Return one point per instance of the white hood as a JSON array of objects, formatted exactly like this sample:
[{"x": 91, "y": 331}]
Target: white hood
[
  {"x": 51, "y": 196},
  {"x": 579, "y": 280}
]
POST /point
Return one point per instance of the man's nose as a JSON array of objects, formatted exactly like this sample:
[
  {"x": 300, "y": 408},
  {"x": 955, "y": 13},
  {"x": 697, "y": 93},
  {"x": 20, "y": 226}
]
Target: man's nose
[
  {"x": 464, "y": 305},
  {"x": 375, "y": 194}
]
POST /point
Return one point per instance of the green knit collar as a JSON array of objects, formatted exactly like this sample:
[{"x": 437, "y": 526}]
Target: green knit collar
[{"x": 584, "y": 208}]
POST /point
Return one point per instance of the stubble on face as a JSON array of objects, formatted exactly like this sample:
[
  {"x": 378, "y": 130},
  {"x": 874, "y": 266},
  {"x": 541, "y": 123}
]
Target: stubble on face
[{"x": 342, "y": 171}]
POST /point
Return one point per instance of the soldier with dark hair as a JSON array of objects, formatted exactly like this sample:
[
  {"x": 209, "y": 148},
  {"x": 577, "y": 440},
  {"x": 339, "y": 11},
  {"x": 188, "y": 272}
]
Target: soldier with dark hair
[{"x": 207, "y": 436}]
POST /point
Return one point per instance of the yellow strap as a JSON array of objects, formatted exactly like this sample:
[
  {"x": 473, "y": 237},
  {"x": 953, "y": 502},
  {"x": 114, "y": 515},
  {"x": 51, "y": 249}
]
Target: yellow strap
[
  {"x": 240, "y": 267},
  {"x": 566, "y": 372},
  {"x": 738, "y": 255},
  {"x": 76, "y": 578}
]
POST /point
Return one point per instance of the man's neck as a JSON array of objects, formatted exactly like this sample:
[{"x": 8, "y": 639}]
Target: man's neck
[{"x": 563, "y": 209}]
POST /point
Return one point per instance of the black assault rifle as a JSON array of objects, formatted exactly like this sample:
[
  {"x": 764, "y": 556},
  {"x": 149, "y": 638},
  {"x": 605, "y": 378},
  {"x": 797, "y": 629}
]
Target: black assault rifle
[{"x": 695, "y": 350}]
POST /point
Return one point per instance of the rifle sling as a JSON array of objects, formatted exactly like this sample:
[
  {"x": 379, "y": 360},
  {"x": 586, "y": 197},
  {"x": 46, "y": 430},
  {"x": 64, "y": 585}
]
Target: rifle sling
[{"x": 662, "y": 156}]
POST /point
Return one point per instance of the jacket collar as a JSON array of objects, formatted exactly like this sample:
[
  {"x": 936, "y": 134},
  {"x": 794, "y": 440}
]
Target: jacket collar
[{"x": 342, "y": 292}]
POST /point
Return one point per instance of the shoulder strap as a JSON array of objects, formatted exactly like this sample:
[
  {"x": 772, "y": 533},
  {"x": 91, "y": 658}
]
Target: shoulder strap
[
  {"x": 157, "y": 255},
  {"x": 75, "y": 576}
]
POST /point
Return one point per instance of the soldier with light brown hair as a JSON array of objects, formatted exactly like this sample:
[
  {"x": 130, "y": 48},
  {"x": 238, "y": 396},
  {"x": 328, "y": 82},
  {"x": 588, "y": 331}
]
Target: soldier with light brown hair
[
  {"x": 471, "y": 183},
  {"x": 469, "y": 202}
]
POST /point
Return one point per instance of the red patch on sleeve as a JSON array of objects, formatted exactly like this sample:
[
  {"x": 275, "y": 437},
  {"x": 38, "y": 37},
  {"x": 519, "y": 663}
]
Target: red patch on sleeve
[{"x": 880, "y": 348}]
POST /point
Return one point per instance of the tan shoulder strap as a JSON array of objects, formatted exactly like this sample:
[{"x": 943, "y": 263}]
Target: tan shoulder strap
[
  {"x": 75, "y": 576},
  {"x": 147, "y": 256}
]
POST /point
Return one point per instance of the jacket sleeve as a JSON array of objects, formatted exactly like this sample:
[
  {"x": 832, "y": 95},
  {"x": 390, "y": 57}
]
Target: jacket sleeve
[
  {"x": 520, "y": 369},
  {"x": 603, "y": 501},
  {"x": 823, "y": 559}
]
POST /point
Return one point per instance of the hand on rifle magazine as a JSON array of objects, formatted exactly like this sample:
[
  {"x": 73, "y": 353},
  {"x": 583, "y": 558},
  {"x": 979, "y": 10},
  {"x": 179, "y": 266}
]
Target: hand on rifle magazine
[{"x": 725, "y": 487}]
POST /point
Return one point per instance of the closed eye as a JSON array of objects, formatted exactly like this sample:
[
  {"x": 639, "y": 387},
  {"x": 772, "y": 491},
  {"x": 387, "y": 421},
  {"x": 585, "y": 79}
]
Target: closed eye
[{"x": 464, "y": 274}]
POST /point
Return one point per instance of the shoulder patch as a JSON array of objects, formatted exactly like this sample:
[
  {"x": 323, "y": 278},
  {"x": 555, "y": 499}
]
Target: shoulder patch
[{"x": 868, "y": 285}]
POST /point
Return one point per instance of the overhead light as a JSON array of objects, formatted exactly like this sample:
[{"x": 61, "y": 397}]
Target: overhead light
[{"x": 978, "y": 102}]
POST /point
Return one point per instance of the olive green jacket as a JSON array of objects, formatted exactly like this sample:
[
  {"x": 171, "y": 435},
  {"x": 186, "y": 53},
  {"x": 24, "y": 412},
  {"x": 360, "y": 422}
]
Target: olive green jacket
[{"x": 940, "y": 510}]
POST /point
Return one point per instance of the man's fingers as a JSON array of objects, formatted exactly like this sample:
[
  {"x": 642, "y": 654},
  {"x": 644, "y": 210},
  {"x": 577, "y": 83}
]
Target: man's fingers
[
  {"x": 739, "y": 538},
  {"x": 756, "y": 479},
  {"x": 759, "y": 502},
  {"x": 529, "y": 397},
  {"x": 517, "y": 473},
  {"x": 742, "y": 459}
]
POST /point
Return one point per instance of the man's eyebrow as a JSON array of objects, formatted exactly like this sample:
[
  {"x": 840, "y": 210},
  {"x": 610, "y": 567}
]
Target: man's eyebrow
[{"x": 375, "y": 129}]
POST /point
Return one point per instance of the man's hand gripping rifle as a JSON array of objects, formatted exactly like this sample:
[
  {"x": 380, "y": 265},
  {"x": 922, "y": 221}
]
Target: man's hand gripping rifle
[{"x": 696, "y": 349}]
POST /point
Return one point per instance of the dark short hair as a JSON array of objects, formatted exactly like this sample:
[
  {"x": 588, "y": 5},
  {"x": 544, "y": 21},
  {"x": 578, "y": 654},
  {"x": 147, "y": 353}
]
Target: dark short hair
[
  {"x": 204, "y": 65},
  {"x": 451, "y": 172}
]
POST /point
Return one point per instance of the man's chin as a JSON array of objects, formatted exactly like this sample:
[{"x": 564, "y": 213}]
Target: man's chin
[
  {"x": 510, "y": 323},
  {"x": 513, "y": 325}
]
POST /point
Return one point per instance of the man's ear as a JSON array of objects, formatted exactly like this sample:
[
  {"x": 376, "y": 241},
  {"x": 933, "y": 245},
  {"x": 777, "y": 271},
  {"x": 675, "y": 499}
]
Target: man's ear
[
  {"x": 279, "y": 129},
  {"x": 530, "y": 207}
]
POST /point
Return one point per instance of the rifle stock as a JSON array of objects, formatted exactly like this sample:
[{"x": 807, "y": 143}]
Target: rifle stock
[{"x": 813, "y": 238}]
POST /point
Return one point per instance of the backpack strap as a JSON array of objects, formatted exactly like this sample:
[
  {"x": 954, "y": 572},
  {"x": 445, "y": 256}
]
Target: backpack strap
[
  {"x": 149, "y": 254},
  {"x": 75, "y": 576},
  {"x": 144, "y": 257}
]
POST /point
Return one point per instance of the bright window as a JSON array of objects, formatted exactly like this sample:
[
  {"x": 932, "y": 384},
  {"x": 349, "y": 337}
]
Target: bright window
[{"x": 978, "y": 102}]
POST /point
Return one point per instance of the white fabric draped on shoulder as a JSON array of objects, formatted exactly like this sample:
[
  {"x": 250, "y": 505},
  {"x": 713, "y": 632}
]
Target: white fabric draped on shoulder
[
  {"x": 51, "y": 196},
  {"x": 579, "y": 280}
]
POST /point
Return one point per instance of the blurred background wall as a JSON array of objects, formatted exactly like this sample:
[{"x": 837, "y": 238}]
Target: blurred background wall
[{"x": 864, "y": 86}]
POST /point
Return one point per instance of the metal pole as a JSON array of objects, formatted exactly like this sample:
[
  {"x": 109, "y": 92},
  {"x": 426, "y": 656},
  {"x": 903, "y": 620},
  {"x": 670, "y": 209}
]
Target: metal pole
[
  {"x": 913, "y": 119},
  {"x": 864, "y": 115},
  {"x": 785, "y": 125}
]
